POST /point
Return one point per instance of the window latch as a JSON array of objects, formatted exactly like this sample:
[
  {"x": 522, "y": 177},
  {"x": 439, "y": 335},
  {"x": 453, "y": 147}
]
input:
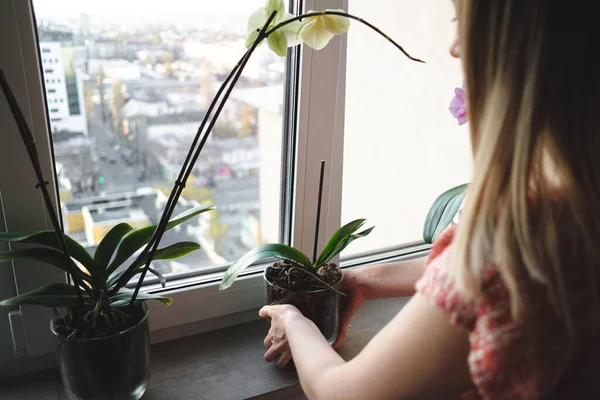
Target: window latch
[{"x": 18, "y": 333}]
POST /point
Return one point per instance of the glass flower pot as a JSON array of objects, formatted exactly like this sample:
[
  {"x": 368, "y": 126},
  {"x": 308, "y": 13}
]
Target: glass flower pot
[
  {"x": 115, "y": 367},
  {"x": 321, "y": 306}
]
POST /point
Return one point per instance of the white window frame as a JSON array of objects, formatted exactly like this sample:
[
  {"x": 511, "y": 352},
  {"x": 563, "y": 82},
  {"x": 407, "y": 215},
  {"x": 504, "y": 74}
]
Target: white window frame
[
  {"x": 319, "y": 137},
  {"x": 23, "y": 204}
]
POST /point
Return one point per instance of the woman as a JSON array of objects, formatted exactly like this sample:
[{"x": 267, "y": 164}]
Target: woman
[{"x": 508, "y": 304}]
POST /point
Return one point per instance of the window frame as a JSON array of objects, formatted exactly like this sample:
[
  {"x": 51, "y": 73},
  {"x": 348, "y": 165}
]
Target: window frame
[
  {"x": 23, "y": 204},
  {"x": 318, "y": 131}
]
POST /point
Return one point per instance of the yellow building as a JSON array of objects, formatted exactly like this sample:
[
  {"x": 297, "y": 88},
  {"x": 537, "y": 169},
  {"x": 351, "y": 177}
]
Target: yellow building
[{"x": 92, "y": 217}]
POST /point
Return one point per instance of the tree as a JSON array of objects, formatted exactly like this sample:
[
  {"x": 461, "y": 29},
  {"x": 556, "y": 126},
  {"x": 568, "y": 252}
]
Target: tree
[
  {"x": 100, "y": 77},
  {"x": 119, "y": 91}
]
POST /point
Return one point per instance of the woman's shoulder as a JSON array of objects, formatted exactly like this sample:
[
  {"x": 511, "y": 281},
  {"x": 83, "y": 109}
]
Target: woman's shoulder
[
  {"x": 437, "y": 285},
  {"x": 507, "y": 353}
]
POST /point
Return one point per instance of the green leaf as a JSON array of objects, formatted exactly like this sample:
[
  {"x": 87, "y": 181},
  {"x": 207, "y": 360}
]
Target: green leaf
[
  {"x": 53, "y": 295},
  {"x": 43, "y": 254},
  {"x": 123, "y": 297},
  {"x": 338, "y": 237},
  {"x": 343, "y": 244},
  {"x": 260, "y": 253},
  {"x": 172, "y": 252},
  {"x": 140, "y": 237},
  {"x": 442, "y": 212},
  {"x": 109, "y": 244},
  {"x": 48, "y": 238}
]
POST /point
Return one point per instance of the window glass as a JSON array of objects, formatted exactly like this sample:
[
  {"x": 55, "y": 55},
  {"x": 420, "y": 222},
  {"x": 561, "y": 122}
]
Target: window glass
[
  {"x": 138, "y": 77},
  {"x": 402, "y": 147}
]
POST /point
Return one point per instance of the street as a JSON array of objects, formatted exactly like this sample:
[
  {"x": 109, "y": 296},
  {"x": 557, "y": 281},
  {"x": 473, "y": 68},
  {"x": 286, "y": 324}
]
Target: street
[{"x": 233, "y": 197}]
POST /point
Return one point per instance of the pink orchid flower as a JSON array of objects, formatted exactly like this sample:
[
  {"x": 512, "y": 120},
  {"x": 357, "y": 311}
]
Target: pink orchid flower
[{"x": 458, "y": 105}]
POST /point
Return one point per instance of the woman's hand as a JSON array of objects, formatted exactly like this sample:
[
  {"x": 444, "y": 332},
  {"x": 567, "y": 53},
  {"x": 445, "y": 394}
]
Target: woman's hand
[
  {"x": 276, "y": 341},
  {"x": 351, "y": 286}
]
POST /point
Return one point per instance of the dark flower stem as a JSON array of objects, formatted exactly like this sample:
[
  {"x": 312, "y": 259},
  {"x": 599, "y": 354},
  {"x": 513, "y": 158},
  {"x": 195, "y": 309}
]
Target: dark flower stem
[
  {"x": 186, "y": 169},
  {"x": 318, "y": 221},
  {"x": 343, "y": 14},
  {"x": 29, "y": 142},
  {"x": 190, "y": 160}
]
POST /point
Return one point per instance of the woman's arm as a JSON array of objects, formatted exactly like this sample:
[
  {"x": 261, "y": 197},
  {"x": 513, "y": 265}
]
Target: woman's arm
[
  {"x": 419, "y": 354},
  {"x": 395, "y": 279}
]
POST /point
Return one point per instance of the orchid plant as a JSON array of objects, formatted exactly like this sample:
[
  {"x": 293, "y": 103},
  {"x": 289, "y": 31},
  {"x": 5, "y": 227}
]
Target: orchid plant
[
  {"x": 336, "y": 244},
  {"x": 101, "y": 277},
  {"x": 97, "y": 294}
]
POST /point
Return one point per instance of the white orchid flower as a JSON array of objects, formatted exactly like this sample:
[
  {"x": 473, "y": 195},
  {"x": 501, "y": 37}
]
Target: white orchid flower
[
  {"x": 281, "y": 39},
  {"x": 317, "y": 31}
]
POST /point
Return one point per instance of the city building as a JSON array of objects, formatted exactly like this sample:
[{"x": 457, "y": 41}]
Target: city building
[
  {"x": 264, "y": 105},
  {"x": 63, "y": 81},
  {"x": 76, "y": 154},
  {"x": 85, "y": 26},
  {"x": 88, "y": 219}
]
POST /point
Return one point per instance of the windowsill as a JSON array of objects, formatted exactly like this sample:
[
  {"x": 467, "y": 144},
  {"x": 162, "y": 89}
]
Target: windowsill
[{"x": 221, "y": 364}]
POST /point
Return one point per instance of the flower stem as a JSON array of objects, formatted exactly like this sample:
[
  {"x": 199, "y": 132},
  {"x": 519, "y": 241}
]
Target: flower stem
[
  {"x": 318, "y": 221},
  {"x": 186, "y": 169},
  {"x": 343, "y": 14}
]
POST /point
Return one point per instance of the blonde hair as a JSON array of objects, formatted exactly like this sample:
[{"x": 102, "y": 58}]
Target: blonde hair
[{"x": 533, "y": 207}]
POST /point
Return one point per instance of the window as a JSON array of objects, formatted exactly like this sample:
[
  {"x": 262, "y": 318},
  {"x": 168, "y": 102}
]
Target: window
[
  {"x": 138, "y": 107},
  {"x": 403, "y": 106},
  {"x": 130, "y": 123}
]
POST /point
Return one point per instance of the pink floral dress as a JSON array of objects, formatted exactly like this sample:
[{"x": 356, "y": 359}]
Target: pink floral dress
[{"x": 533, "y": 357}]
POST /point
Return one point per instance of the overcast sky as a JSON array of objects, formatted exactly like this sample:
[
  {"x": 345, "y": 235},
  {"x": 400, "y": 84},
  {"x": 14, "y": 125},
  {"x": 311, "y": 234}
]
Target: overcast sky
[{"x": 104, "y": 8}]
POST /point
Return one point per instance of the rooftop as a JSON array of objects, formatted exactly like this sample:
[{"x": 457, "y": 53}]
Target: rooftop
[
  {"x": 117, "y": 212},
  {"x": 144, "y": 203},
  {"x": 266, "y": 97}
]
